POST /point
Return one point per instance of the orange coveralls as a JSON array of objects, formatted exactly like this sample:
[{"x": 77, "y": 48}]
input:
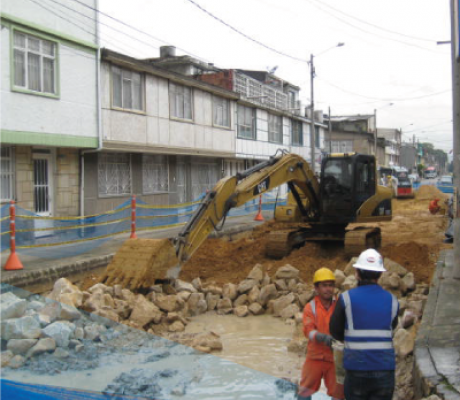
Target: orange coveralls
[{"x": 320, "y": 360}]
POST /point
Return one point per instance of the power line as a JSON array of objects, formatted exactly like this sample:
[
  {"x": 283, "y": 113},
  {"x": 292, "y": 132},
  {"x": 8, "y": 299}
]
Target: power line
[
  {"x": 373, "y": 25},
  {"x": 372, "y": 33},
  {"x": 244, "y": 35}
]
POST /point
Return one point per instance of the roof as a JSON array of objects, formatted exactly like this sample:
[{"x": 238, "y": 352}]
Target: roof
[{"x": 350, "y": 118}]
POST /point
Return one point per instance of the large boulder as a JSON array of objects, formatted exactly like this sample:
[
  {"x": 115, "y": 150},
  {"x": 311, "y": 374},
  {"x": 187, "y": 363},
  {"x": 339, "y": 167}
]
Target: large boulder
[
  {"x": 404, "y": 343},
  {"x": 229, "y": 290},
  {"x": 21, "y": 328},
  {"x": 290, "y": 311},
  {"x": 408, "y": 283},
  {"x": 60, "y": 332},
  {"x": 241, "y": 311},
  {"x": 166, "y": 303},
  {"x": 20, "y": 346},
  {"x": 280, "y": 304},
  {"x": 267, "y": 293},
  {"x": 287, "y": 272},
  {"x": 253, "y": 294},
  {"x": 12, "y": 307},
  {"x": 257, "y": 273},
  {"x": 176, "y": 326},
  {"x": 45, "y": 345},
  {"x": 339, "y": 277},
  {"x": 392, "y": 266},
  {"x": 211, "y": 300},
  {"x": 241, "y": 301},
  {"x": 246, "y": 285},
  {"x": 224, "y": 306},
  {"x": 256, "y": 309},
  {"x": 197, "y": 304},
  {"x": 69, "y": 313},
  {"x": 349, "y": 283},
  {"x": 305, "y": 297},
  {"x": 182, "y": 286},
  {"x": 281, "y": 284},
  {"x": 144, "y": 312},
  {"x": 66, "y": 292},
  {"x": 211, "y": 341},
  {"x": 52, "y": 310}
]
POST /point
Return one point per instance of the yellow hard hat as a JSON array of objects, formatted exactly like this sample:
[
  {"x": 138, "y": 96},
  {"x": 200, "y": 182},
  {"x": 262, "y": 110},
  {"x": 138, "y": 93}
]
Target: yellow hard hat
[{"x": 323, "y": 274}]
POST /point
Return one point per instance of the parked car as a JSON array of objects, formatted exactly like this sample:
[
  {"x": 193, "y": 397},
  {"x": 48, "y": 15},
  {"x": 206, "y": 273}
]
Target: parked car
[{"x": 446, "y": 180}]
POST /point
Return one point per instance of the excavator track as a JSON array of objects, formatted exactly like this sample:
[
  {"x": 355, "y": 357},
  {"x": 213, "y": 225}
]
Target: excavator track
[
  {"x": 278, "y": 245},
  {"x": 360, "y": 239}
]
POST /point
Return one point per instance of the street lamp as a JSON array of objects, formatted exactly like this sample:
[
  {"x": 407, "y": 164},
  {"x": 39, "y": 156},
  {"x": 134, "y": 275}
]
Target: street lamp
[{"x": 312, "y": 103}]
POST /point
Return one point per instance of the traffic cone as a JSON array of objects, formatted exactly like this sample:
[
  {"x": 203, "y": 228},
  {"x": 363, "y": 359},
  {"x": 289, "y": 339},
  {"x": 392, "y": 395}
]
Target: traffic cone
[
  {"x": 13, "y": 262},
  {"x": 259, "y": 216}
]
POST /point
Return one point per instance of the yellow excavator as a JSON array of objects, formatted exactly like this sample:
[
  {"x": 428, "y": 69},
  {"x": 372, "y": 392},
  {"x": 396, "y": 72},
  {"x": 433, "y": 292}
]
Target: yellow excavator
[{"x": 318, "y": 210}]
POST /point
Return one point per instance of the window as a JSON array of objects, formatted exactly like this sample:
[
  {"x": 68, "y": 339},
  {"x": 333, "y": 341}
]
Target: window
[
  {"x": 221, "y": 111},
  {"x": 275, "y": 128},
  {"x": 7, "y": 173},
  {"x": 34, "y": 63},
  {"x": 128, "y": 89},
  {"x": 341, "y": 146},
  {"x": 180, "y": 101},
  {"x": 114, "y": 174},
  {"x": 246, "y": 122},
  {"x": 155, "y": 174},
  {"x": 317, "y": 138},
  {"x": 296, "y": 133},
  {"x": 203, "y": 178}
]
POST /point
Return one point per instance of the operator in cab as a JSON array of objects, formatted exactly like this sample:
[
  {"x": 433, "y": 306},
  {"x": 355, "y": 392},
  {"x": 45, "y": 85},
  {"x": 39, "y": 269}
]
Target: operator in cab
[{"x": 319, "y": 363}]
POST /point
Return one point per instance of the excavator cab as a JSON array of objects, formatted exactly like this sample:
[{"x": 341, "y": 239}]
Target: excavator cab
[{"x": 347, "y": 181}]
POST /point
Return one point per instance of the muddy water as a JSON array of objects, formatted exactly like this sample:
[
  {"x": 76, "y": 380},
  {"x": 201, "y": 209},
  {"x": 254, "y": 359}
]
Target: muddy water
[
  {"x": 258, "y": 342},
  {"x": 254, "y": 356}
]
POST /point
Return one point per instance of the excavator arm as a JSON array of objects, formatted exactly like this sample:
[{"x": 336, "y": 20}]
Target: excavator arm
[
  {"x": 139, "y": 263},
  {"x": 237, "y": 190}
]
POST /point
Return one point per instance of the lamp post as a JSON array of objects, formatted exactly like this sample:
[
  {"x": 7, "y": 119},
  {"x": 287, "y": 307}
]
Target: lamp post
[{"x": 312, "y": 103}]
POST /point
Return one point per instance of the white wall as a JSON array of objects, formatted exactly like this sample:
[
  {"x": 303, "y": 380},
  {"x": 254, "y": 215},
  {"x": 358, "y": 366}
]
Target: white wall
[
  {"x": 154, "y": 127},
  {"x": 45, "y": 16},
  {"x": 73, "y": 113}
]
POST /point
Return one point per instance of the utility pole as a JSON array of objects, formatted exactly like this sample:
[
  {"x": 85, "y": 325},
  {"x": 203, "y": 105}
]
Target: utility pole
[
  {"x": 330, "y": 131},
  {"x": 375, "y": 133},
  {"x": 456, "y": 121},
  {"x": 312, "y": 110}
]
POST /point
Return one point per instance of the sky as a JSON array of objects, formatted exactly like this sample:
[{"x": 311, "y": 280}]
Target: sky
[{"x": 390, "y": 61}]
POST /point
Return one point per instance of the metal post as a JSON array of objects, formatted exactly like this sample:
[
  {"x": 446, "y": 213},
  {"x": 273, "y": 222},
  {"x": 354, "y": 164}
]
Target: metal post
[
  {"x": 312, "y": 110},
  {"x": 133, "y": 218},
  {"x": 456, "y": 123},
  {"x": 375, "y": 134}
]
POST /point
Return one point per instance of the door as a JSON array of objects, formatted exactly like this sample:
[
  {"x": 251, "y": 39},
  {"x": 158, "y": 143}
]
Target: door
[{"x": 43, "y": 193}]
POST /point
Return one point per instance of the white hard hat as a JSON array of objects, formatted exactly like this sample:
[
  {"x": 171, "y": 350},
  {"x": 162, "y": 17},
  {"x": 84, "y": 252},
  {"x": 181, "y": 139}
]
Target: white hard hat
[{"x": 370, "y": 260}]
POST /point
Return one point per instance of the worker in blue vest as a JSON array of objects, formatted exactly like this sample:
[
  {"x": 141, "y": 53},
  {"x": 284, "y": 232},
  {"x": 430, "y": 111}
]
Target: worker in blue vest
[{"x": 364, "y": 319}]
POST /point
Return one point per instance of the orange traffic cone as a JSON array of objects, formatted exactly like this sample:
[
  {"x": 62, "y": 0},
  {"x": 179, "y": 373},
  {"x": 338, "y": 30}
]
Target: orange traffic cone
[
  {"x": 259, "y": 216},
  {"x": 13, "y": 262}
]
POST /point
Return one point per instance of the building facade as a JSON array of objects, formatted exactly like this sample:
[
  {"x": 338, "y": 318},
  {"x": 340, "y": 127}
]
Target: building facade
[
  {"x": 49, "y": 104},
  {"x": 392, "y": 145}
]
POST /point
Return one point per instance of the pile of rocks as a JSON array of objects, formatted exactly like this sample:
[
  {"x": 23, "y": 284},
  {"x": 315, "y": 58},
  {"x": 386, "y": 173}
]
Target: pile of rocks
[{"x": 36, "y": 325}]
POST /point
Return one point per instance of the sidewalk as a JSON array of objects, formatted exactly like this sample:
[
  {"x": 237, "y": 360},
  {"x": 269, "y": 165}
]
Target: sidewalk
[
  {"x": 437, "y": 348},
  {"x": 48, "y": 264}
]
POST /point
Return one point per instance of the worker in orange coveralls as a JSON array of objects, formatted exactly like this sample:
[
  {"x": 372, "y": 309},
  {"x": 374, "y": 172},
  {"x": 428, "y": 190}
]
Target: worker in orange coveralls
[
  {"x": 434, "y": 206},
  {"x": 319, "y": 363}
]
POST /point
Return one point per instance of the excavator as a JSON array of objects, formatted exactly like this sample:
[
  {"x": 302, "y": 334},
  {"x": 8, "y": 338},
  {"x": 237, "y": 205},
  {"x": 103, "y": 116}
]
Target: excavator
[{"x": 318, "y": 210}]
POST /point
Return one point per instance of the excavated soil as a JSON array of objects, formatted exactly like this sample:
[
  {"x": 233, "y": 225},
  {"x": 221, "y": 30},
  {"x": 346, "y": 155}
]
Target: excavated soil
[{"x": 413, "y": 239}]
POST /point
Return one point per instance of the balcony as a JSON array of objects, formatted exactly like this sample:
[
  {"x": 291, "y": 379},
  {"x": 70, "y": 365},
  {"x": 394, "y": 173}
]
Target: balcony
[{"x": 262, "y": 94}]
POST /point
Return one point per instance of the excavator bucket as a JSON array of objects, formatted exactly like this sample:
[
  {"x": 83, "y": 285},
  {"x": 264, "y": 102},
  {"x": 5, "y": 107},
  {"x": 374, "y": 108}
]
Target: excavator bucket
[{"x": 139, "y": 262}]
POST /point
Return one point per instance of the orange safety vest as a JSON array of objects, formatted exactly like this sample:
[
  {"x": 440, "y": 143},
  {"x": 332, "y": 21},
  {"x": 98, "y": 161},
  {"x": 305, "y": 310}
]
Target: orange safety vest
[{"x": 316, "y": 319}]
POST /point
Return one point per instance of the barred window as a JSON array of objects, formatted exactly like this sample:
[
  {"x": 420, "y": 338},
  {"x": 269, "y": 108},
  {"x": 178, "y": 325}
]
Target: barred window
[
  {"x": 127, "y": 89},
  {"x": 7, "y": 173},
  {"x": 114, "y": 174},
  {"x": 296, "y": 133},
  {"x": 34, "y": 63},
  {"x": 221, "y": 111},
  {"x": 275, "y": 128},
  {"x": 246, "y": 122},
  {"x": 180, "y": 101},
  {"x": 155, "y": 173}
]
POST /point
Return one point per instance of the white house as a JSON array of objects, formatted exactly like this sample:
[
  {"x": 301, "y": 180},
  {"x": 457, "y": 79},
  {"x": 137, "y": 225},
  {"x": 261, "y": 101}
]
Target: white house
[{"x": 49, "y": 102}]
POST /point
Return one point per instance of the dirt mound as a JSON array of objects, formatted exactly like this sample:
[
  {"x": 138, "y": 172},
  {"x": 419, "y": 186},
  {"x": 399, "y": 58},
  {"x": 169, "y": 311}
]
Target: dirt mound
[
  {"x": 429, "y": 192},
  {"x": 415, "y": 257}
]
